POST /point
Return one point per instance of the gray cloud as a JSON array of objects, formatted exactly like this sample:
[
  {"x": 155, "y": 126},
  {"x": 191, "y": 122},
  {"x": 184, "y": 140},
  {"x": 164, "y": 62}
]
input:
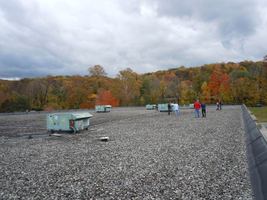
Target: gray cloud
[
  {"x": 234, "y": 18},
  {"x": 52, "y": 37}
]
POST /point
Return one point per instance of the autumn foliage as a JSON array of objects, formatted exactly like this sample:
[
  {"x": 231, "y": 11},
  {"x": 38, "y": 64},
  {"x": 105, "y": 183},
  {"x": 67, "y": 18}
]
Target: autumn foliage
[
  {"x": 106, "y": 98},
  {"x": 233, "y": 83}
]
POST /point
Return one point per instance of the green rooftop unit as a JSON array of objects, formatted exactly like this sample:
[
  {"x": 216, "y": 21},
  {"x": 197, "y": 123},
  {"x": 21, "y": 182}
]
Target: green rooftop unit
[
  {"x": 73, "y": 122},
  {"x": 191, "y": 106},
  {"x": 103, "y": 108},
  {"x": 151, "y": 106},
  {"x": 164, "y": 107}
]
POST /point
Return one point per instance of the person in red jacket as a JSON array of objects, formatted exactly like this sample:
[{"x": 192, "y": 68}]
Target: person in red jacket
[{"x": 197, "y": 107}]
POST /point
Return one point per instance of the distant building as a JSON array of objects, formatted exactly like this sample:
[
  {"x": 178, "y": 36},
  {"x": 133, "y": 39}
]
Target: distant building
[{"x": 265, "y": 58}]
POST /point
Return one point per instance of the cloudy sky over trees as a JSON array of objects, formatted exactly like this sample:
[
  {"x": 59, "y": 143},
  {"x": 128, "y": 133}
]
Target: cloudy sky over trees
[{"x": 65, "y": 37}]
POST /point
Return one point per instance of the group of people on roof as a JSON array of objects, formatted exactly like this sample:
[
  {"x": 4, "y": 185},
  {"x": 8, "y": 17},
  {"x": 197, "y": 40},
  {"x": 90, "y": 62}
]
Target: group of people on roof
[{"x": 197, "y": 106}]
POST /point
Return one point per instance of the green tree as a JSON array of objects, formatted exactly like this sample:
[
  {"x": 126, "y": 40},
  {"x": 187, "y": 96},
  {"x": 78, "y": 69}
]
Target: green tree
[{"x": 16, "y": 103}]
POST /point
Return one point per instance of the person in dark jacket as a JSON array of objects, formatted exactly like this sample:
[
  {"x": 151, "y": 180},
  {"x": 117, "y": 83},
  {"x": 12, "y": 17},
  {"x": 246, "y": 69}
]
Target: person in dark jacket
[
  {"x": 220, "y": 105},
  {"x": 203, "y": 109},
  {"x": 169, "y": 108}
]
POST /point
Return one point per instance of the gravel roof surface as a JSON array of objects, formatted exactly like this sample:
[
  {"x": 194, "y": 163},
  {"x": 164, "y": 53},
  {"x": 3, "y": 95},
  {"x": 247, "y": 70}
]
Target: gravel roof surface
[{"x": 150, "y": 155}]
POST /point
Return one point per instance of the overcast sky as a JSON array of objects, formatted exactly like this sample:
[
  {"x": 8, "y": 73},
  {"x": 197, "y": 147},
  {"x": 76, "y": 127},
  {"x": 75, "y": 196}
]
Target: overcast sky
[{"x": 65, "y": 37}]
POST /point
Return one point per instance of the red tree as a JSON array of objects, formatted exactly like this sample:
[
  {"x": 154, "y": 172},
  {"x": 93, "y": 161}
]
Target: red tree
[
  {"x": 105, "y": 97},
  {"x": 219, "y": 84}
]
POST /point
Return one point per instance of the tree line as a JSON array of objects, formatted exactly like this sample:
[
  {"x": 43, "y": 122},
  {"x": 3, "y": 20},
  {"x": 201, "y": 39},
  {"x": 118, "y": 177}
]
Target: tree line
[{"x": 232, "y": 83}]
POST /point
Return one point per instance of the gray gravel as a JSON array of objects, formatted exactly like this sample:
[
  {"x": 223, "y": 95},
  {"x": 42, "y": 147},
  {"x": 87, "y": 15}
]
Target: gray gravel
[{"x": 149, "y": 155}]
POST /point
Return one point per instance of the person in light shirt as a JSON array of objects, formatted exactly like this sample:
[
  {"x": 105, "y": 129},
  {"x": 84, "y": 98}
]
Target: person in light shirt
[{"x": 176, "y": 109}]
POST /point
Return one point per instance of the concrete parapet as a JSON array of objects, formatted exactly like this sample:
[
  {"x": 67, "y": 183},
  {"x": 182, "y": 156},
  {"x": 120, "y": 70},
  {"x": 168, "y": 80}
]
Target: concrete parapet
[{"x": 257, "y": 155}]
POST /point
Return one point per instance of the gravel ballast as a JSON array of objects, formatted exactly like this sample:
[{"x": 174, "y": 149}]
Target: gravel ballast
[{"x": 148, "y": 155}]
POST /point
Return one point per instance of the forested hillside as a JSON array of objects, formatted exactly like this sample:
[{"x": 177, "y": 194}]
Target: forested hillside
[{"x": 233, "y": 83}]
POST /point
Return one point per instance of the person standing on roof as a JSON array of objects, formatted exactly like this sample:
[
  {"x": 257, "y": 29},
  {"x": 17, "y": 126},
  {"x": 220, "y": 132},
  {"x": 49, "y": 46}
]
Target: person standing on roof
[
  {"x": 203, "y": 109},
  {"x": 197, "y": 107},
  {"x": 217, "y": 105},
  {"x": 176, "y": 109},
  {"x": 220, "y": 105},
  {"x": 169, "y": 108}
]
